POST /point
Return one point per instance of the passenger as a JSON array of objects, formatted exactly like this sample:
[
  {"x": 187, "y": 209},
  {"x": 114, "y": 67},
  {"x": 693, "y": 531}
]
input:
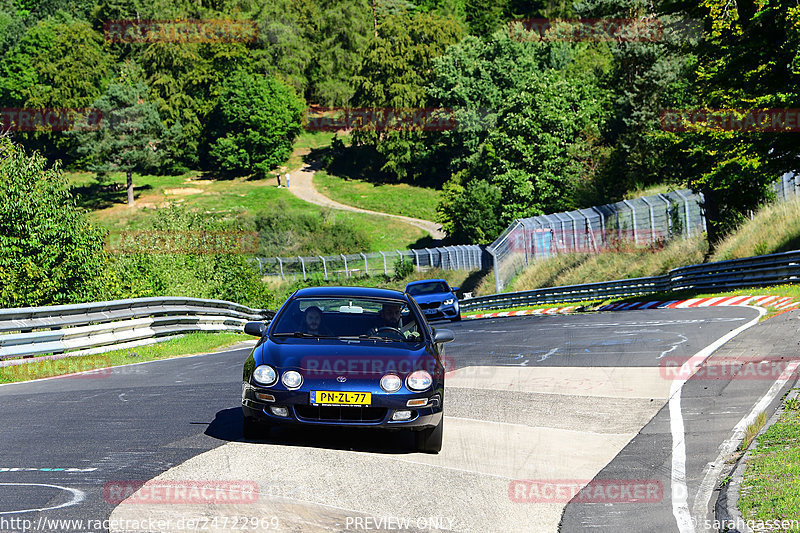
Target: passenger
[{"x": 312, "y": 322}]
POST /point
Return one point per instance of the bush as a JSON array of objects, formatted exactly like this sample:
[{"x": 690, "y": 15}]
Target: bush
[{"x": 49, "y": 252}]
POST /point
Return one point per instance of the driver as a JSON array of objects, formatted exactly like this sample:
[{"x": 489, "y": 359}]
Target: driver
[{"x": 390, "y": 314}]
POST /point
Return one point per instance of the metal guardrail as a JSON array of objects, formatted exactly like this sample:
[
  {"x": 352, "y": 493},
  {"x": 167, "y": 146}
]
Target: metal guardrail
[
  {"x": 757, "y": 271},
  {"x": 79, "y": 329}
]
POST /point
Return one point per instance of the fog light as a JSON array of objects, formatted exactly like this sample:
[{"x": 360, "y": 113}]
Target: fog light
[
  {"x": 401, "y": 415},
  {"x": 279, "y": 411},
  {"x": 419, "y": 402},
  {"x": 265, "y": 397}
]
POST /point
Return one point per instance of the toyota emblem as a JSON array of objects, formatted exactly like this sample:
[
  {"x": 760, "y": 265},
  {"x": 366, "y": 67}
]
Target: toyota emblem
[{"x": 341, "y": 379}]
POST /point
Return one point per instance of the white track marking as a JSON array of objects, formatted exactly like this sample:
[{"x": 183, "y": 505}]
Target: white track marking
[
  {"x": 77, "y": 497},
  {"x": 680, "y": 493},
  {"x": 713, "y": 470}
]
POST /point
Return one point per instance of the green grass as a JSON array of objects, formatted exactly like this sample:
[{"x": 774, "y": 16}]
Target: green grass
[
  {"x": 775, "y": 228},
  {"x": 575, "y": 269},
  {"x": 771, "y": 486},
  {"x": 229, "y": 198},
  {"x": 189, "y": 344},
  {"x": 397, "y": 199}
]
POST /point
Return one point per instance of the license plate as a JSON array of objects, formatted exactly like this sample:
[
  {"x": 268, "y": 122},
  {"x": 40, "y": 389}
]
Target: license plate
[
  {"x": 320, "y": 397},
  {"x": 430, "y": 311}
]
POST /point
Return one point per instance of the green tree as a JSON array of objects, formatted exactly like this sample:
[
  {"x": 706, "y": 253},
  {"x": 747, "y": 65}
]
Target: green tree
[
  {"x": 254, "y": 124},
  {"x": 394, "y": 72},
  {"x": 749, "y": 59},
  {"x": 129, "y": 135},
  {"x": 58, "y": 63},
  {"x": 49, "y": 252}
]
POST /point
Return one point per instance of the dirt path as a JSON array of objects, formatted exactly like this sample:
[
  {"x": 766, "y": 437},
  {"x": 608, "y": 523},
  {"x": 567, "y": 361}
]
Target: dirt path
[{"x": 301, "y": 184}]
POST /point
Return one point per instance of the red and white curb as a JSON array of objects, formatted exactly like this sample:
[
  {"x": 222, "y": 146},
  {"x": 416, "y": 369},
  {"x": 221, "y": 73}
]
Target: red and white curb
[{"x": 783, "y": 303}]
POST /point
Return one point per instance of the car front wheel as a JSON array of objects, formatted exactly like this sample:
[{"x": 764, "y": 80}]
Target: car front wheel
[{"x": 430, "y": 440}]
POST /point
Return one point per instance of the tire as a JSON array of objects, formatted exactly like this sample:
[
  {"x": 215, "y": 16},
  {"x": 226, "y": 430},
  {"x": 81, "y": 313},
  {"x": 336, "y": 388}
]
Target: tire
[
  {"x": 430, "y": 440},
  {"x": 252, "y": 429},
  {"x": 456, "y": 318}
]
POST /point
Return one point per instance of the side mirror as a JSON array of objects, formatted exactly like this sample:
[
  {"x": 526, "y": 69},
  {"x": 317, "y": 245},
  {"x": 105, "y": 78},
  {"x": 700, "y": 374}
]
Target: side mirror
[
  {"x": 443, "y": 335},
  {"x": 454, "y": 289},
  {"x": 256, "y": 329}
]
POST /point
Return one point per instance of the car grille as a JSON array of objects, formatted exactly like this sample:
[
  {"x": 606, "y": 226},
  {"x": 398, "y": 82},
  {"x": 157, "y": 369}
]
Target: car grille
[
  {"x": 340, "y": 414},
  {"x": 430, "y": 305}
]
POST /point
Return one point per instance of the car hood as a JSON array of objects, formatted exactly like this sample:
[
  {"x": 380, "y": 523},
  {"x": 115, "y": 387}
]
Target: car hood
[
  {"x": 437, "y": 297},
  {"x": 342, "y": 357}
]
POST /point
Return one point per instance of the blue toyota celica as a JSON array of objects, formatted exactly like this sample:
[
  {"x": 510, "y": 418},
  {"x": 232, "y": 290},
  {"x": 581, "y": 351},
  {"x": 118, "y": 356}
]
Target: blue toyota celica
[{"x": 347, "y": 356}]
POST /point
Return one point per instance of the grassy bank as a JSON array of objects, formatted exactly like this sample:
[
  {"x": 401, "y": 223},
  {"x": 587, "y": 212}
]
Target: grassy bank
[
  {"x": 233, "y": 198},
  {"x": 394, "y": 198},
  {"x": 189, "y": 344},
  {"x": 771, "y": 486}
]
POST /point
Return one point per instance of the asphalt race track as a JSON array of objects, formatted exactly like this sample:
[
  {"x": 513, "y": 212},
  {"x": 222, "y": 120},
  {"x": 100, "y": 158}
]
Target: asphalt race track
[{"x": 535, "y": 406}]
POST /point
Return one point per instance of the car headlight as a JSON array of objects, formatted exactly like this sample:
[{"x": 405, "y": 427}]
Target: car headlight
[
  {"x": 419, "y": 380},
  {"x": 449, "y": 301},
  {"x": 391, "y": 383},
  {"x": 292, "y": 379},
  {"x": 265, "y": 375}
]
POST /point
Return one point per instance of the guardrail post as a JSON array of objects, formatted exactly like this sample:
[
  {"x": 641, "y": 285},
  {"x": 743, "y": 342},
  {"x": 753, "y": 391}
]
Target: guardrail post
[
  {"x": 416, "y": 258},
  {"x": 346, "y": 273},
  {"x": 303, "y": 264},
  {"x": 324, "y": 267},
  {"x": 652, "y": 219},
  {"x": 702, "y": 215},
  {"x": 385, "y": 268},
  {"x": 633, "y": 218},
  {"x": 260, "y": 268},
  {"x": 687, "y": 231},
  {"x": 366, "y": 266},
  {"x": 280, "y": 263}
]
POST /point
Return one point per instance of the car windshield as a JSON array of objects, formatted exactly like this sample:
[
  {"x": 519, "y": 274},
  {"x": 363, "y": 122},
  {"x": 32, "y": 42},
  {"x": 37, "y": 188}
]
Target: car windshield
[
  {"x": 337, "y": 317},
  {"x": 427, "y": 288}
]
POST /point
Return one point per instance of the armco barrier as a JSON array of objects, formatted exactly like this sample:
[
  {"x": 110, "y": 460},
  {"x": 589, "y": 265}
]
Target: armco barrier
[
  {"x": 67, "y": 330},
  {"x": 757, "y": 271}
]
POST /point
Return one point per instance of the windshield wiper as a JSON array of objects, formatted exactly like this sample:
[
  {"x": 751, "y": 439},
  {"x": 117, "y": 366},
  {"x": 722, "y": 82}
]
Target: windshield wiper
[{"x": 301, "y": 335}]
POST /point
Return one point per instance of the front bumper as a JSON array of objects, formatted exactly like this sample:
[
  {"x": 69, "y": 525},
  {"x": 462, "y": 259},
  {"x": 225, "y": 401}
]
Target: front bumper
[
  {"x": 378, "y": 414},
  {"x": 443, "y": 311}
]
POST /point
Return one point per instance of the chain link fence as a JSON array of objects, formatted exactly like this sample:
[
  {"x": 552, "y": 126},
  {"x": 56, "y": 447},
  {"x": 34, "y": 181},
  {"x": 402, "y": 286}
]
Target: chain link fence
[
  {"x": 329, "y": 267},
  {"x": 641, "y": 221}
]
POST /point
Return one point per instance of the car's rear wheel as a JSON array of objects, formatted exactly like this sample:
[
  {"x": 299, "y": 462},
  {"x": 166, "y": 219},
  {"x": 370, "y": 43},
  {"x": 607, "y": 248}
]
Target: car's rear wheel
[
  {"x": 430, "y": 440},
  {"x": 253, "y": 429}
]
